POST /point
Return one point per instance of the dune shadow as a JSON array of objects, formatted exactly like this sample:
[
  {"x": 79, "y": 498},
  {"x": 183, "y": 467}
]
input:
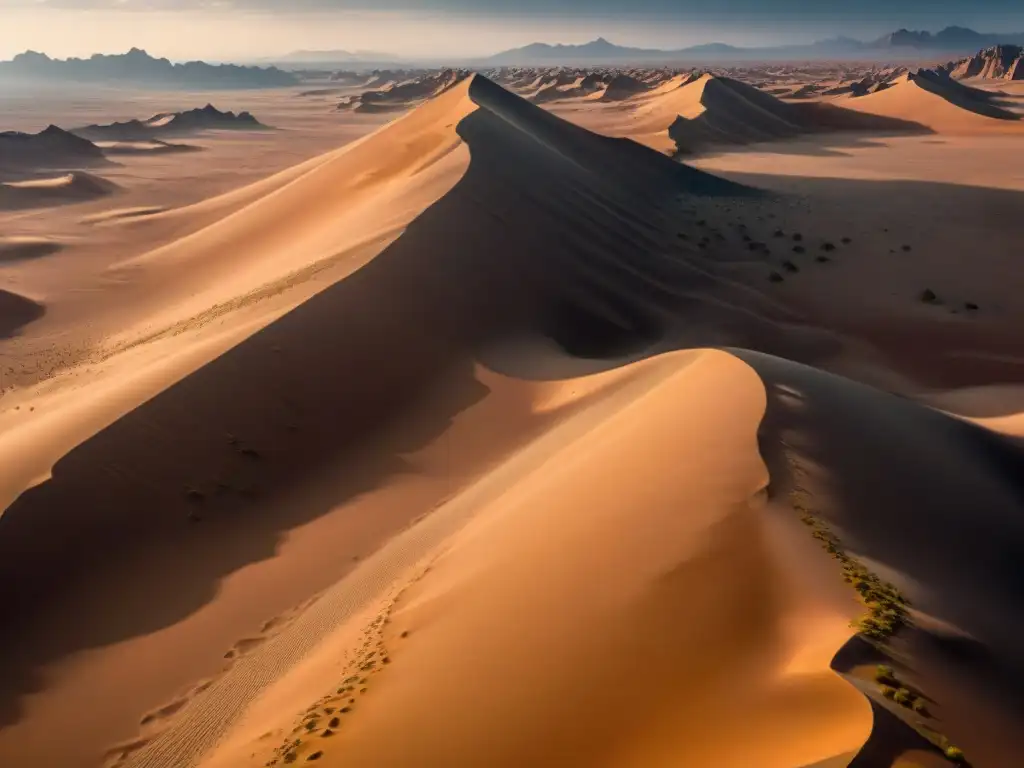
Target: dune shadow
[
  {"x": 950, "y": 524},
  {"x": 27, "y": 249},
  {"x": 814, "y": 129},
  {"x": 890, "y": 738},
  {"x": 16, "y": 312}
]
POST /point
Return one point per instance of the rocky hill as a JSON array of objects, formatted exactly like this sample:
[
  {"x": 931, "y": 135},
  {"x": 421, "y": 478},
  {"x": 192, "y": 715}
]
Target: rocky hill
[{"x": 1004, "y": 62}]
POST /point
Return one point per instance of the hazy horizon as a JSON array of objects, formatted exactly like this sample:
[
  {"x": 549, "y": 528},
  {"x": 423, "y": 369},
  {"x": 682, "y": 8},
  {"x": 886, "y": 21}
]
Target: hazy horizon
[{"x": 253, "y": 29}]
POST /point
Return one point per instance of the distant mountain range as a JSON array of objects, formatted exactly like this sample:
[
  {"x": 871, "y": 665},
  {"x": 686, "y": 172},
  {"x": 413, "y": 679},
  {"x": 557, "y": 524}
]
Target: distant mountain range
[
  {"x": 902, "y": 44},
  {"x": 138, "y": 67}
]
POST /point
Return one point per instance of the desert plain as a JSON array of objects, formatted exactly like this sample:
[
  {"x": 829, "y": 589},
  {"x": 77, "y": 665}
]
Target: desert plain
[{"x": 547, "y": 417}]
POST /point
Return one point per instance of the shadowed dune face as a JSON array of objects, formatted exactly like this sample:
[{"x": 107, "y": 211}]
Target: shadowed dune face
[
  {"x": 948, "y": 528},
  {"x": 712, "y": 110},
  {"x": 14, "y": 249},
  {"x": 16, "y": 312},
  {"x": 940, "y": 104}
]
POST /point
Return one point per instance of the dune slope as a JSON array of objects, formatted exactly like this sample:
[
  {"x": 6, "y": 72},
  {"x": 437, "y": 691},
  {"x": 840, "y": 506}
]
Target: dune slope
[
  {"x": 662, "y": 482},
  {"x": 940, "y": 104},
  {"x": 711, "y": 110},
  {"x": 477, "y": 216}
]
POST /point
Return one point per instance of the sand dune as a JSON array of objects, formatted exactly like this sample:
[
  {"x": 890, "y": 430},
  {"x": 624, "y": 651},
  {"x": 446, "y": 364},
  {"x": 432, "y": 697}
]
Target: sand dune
[
  {"x": 940, "y": 104},
  {"x": 396, "y": 97},
  {"x": 74, "y": 187},
  {"x": 17, "y": 311},
  {"x": 622, "y": 87},
  {"x": 620, "y": 627},
  {"x": 710, "y": 110},
  {"x": 340, "y": 211},
  {"x": 419, "y": 418},
  {"x": 21, "y": 248}
]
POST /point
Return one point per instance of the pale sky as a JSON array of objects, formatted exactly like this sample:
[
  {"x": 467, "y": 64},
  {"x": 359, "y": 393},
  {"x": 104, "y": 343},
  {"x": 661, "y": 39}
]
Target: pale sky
[{"x": 219, "y": 30}]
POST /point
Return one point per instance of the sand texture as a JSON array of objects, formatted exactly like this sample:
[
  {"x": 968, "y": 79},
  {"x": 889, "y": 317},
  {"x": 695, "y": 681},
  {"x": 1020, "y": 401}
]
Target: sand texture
[{"x": 552, "y": 417}]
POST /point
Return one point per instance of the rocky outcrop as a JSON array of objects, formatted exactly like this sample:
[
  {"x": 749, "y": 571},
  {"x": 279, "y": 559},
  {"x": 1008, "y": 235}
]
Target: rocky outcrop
[{"x": 1000, "y": 62}]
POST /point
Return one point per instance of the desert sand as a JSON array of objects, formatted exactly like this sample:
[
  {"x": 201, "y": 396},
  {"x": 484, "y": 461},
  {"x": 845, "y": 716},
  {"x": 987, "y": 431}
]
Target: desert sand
[{"x": 496, "y": 435}]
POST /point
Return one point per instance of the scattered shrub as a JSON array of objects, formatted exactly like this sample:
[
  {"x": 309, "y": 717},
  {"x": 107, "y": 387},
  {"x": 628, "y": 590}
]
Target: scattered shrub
[
  {"x": 920, "y": 707},
  {"x": 885, "y": 674},
  {"x": 823, "y": 259},
  {"x": 798, "y": 249},
  {"x": 970, "y": 305},
  {"x": 789, "y": 266},
  {"x": 314, "y": 756},
  {"x": 846, "y": 241},
  {"x": 903, "y": 697},
  {"x": 797, "y": 237},
  {"x": 778, "y": 233},
  {"x": 828, "y": 246},
  {"x": 906, "y": 248},
  {"x": 774, "y": 277},
  {"x": 955, "y": 754},
  {"x": 928, "y": 296}
]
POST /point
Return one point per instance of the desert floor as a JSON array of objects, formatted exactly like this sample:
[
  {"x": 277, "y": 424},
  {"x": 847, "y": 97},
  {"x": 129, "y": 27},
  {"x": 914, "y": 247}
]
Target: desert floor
[{"x": 481, "y": 434}]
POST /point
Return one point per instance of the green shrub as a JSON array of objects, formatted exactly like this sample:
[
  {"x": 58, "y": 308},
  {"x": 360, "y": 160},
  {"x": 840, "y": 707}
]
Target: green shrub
[
  {"x": 903, "y": 697},
  {"x": 955, "y": 754},
  {"x": 885, "y": 674}
]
